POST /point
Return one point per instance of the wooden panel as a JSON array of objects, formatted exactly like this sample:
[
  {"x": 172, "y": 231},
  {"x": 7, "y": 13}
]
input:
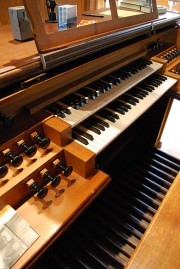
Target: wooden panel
[
  {"x": 160, "y": 246},
  {"x": 51, "y": 222},
  {"x": 58, "y": 130},
  {"x": 81, "y": 158}
]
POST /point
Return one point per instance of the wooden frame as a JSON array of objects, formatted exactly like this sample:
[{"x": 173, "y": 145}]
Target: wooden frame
[{"x": 51, "y": 40}]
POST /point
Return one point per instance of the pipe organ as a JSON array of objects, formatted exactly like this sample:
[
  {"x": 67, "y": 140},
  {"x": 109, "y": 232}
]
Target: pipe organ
[{"x": 79, "y": 156}]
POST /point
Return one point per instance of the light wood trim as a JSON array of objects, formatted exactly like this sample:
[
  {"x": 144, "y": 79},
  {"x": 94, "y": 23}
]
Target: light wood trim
[
  {"x": 58, "y": 131},
  {"x": 113, "y": 9},
  {"x": 160, "y": 246},
  {"x": 81, "y": 158}
]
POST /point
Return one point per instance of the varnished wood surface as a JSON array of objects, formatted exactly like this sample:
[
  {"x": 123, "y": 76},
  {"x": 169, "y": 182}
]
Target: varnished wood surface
[
  {"x": 17, "y": 57},
  {"x": 160, "y": 246},
  {"x": 51, "y": 222},
  {"x": 15, "y": 53}
]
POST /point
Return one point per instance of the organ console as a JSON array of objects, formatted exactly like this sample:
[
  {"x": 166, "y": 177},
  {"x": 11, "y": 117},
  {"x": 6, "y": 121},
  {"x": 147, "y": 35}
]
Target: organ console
[{"x": 80, "y": 126}]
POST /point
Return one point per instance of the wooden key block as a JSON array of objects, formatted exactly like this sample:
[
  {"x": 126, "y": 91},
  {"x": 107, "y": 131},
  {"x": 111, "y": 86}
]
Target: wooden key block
[{"x": 81, "y": 158}]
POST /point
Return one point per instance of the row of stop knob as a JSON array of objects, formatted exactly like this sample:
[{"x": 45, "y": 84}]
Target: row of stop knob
[
  {"x": 171, "y": 54},
  {"x": 29, "y": 150},
  {"x": 49, "y": 178}
]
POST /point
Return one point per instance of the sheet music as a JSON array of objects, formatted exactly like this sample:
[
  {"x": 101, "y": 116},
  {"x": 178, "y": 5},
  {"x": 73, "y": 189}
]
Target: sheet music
[{"x": 16, "y": 236}]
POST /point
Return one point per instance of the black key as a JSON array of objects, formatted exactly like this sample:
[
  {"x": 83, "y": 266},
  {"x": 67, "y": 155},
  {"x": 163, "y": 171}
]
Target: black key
[
  {"x": 70, "y": 102},
  {"x": 111, "y": 79},
  {"x": 137, "y": 93},
  {"x": 115, "y": 79},
  {"x": 62, "y": 108},
  {"x": 145, "y": 92},
  {"x": 146, "y": 86},
  {"x": 107, "y": 82},
  {"x": 120, "y": 111},
  {"x": 161, "y": 77},
  {"x": 87, "y": 92},
  {"x": 82, "y": 98},
  {"x": 104, "y": 123},
  {"x": 132, "y": 97},
  {"x": 104, "y": 114},
  {"x": 149, "y": 62},
  {"x": 134, "y": 68},
  {"x": 79, "y": 138},
  {"x": 85, "y": 99},
  {"x": 111, "y": 113},
  {"x": 130, "y": 68},
  {"x": 95, "y": 92},
  {"x": 95, "y": 124},
  {"x": 56, "y": 111},
  {"x": 90, "y": 127},
  {"x": 77, "y": 99},
  {"x": 122, "y": 74},
  {"x": 158, "y": 80},
  {"x": 152, "y": 82},
  {"x": 128, "y": 99},
  {"x": 83, "y": 133},
  {"x": 116, "y": 107},
  {"x": 124, "y": 104},
  {"x": 98, "y": 87}
]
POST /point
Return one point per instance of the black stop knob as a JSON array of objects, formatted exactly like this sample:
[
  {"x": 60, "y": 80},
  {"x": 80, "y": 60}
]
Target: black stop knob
[
  {"x": 42, "y": 142},
  {"x": 3, "y": 171},
  {"x": 16, "y": 160},
  {"x": 54, "y": 180},
  {"x": 7, "y": 121},
  {"x": 41, "y": 192},
  {"x": 66, "y": 170},
  {"x": 29, "y": 151}
]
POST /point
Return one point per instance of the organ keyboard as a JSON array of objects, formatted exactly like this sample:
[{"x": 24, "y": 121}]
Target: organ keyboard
[
  {"x": 49, "y": 158},
  {"x": 126, "y": 83},
  {"x": 98, "y": 121}
]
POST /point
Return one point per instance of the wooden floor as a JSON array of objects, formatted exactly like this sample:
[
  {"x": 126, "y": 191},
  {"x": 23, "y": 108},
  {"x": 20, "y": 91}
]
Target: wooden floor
[{"x": 171, "y": 135}]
